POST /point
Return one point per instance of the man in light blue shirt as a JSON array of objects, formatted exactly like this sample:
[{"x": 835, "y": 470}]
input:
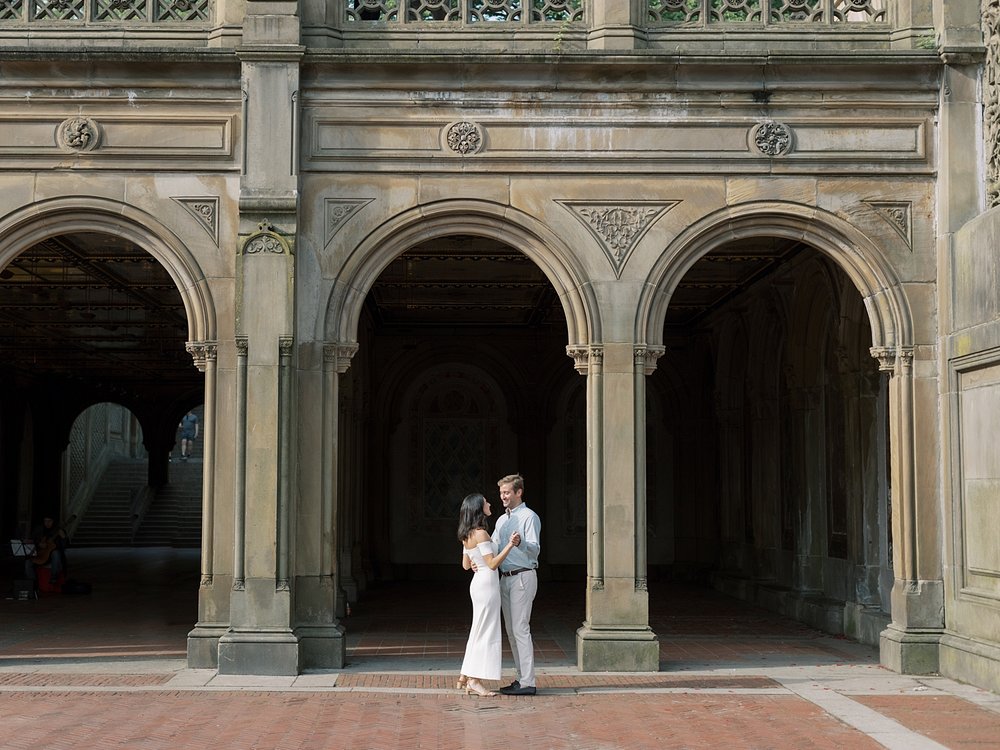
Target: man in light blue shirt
[{"x": 518, "y": 580}]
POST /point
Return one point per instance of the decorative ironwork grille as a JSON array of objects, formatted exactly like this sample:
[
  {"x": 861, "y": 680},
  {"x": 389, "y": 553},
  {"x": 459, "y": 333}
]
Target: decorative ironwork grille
[
  {"x": 107, "y": 11},
  {"x": 464, "y": 11},
  {"x": 454, "y": 464},
  {"x": 703, "y": 12}
]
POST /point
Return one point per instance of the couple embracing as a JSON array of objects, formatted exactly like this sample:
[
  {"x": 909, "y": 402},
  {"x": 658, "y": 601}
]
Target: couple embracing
[{"x": 506, "y": 580}]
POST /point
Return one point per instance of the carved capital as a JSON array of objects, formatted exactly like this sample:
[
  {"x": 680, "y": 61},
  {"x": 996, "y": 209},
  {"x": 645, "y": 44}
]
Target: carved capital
[
  {"x": 646, "y": 357},
  {"x": 202, "y": 352},
  {"x": 242, "y": 346},
  {"x": 286, "y": 345},
  {"x": 583, "y": 356},
  {"x": 889, "y": 356},
  {"x": 339, "y": 355}
]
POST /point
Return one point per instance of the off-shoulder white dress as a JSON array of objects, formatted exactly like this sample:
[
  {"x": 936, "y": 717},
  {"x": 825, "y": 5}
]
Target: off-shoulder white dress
[{"x": 482, "y": 652}]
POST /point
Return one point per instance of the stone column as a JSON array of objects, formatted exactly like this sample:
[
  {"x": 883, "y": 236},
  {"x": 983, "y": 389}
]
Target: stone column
[
  {"x": 261, "y": 638},
  {"x": 615, "y": 635},
  {"x": 910, "y": 643},
  {"x": 203, "y": 639},
  {"x": 318, "y": 570}
]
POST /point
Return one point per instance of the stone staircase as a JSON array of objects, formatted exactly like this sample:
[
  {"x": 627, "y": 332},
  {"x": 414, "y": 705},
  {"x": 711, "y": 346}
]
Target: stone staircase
[
  {"x": 173, "y": 519},
  {"x": 107, "y": 522}
]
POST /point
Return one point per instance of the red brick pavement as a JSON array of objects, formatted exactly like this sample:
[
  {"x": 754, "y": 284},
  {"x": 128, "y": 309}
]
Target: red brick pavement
[
  {"x": 953, "y": 722},
  {"x": 373, "y": 721}
]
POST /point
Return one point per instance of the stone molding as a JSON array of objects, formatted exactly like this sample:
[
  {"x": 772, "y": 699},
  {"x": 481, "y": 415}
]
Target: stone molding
[{"x": 583, "y": 355}]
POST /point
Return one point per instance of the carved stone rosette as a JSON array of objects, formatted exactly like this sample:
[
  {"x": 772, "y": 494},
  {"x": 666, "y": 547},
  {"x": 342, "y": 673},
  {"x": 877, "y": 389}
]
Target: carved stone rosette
[
  {"x": 771, "y": 138},
  {"x": 78, "y": 134},
  {"x": 464, "y": 138}
]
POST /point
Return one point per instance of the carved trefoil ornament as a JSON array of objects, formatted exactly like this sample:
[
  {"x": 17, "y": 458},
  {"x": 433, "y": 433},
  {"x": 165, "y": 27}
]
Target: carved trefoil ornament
[
  {"x": 78, "y": 134},
  {"x": 898, "y": 214},
  {"x": 618, "y": 227},
  {"x": 206, "y": 211},
  {"x": 338, "y": 211},
  {"x": 465, "y": 138},
  {"x": 771, "y": 138},
  {"x": 265, "y": 241}
]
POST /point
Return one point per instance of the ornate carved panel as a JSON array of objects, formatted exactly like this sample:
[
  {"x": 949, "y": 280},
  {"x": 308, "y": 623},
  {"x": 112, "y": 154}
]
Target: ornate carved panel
[
  {"x": 339, "y": 211},
  {"x": 991, "y": 98},
  {"x": 618, "y": 227},
  {"x": 206, "y": 211},
  {"x": 898, "y": 214}
]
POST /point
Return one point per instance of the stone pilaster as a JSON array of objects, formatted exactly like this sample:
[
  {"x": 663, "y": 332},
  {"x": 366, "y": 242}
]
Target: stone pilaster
[
  {"x": 911, "y": 642},
  {"x": 261, "y": 638},
  {"x": 616, "y": 633}
]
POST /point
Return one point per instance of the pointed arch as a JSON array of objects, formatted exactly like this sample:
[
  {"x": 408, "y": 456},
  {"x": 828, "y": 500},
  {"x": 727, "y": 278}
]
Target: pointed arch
[
  {"x": 859, "y": 257},
  {"x": 29, "y": 225},
  {"x": 479, "y": 218}
]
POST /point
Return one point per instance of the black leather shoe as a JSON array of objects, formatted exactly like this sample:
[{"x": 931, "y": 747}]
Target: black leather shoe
[
  {"x": 526, "y": 690},
  {"x": 511, "y": 686}
]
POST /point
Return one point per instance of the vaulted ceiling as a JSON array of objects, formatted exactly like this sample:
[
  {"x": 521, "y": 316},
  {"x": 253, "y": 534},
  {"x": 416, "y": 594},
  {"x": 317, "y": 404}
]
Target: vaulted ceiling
[{"x": 94, "y": 307}]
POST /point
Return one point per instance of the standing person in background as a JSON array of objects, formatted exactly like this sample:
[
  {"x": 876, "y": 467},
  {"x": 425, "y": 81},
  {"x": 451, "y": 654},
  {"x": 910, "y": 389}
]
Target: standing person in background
[
  {"x": 189, "y": 432},
  {"x": 518, "y": 579}
]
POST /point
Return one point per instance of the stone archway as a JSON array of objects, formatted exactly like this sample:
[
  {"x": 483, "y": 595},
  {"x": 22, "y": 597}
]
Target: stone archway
[{"x": 917, "y": 592}]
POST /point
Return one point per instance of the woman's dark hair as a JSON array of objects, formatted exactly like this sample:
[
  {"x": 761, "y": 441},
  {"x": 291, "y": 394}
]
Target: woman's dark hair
[{"x": 471, "y": 516}]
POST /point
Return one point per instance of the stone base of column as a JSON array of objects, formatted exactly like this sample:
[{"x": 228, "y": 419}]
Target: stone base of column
[
  {"x": 322, "y": 646},
  {"x": 260, "y": 652},
  {"x": 203, "y": 645},
  {"x": 618, "y": 649},
  {"x": 910, "y": 650}
]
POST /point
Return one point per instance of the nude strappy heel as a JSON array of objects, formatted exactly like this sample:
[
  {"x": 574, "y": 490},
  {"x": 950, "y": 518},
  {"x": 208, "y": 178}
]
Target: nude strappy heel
[
  {"x": 473, "y": 687},
  {"x": 462, "y": 679}
]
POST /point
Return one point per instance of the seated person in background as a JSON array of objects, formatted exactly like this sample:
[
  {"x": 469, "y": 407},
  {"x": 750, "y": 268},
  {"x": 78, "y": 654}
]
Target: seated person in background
[{"x": 50, "y": 549}]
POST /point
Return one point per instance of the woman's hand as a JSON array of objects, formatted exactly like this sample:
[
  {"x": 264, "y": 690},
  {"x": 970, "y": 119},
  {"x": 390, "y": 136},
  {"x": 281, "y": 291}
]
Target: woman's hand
[{"x": 515, "y": 538}]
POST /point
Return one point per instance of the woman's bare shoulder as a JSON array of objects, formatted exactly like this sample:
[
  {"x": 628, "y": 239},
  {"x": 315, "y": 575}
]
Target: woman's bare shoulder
[{"x": 477, "y": 536}]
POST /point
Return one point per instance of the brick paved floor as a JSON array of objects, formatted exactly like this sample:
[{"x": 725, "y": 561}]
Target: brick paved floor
[{"x": 108, "y": 670}]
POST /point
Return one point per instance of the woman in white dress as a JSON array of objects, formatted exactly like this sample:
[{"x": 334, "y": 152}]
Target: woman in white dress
[{"x": 482, "y": 652}]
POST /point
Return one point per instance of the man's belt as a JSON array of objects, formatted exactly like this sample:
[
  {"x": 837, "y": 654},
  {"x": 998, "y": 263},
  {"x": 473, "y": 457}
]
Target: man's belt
[{"x": 514, "y": 572}]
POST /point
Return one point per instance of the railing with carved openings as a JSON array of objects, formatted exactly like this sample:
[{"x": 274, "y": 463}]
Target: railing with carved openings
[
  {"x": 708, "y": 12},
  {"x": 107, "y": 11},
  {"x": 464, "y": 11}
]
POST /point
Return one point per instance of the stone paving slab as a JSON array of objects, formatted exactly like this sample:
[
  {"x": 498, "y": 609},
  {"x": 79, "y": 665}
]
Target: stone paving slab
[{"x": 376, "y": 721}]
